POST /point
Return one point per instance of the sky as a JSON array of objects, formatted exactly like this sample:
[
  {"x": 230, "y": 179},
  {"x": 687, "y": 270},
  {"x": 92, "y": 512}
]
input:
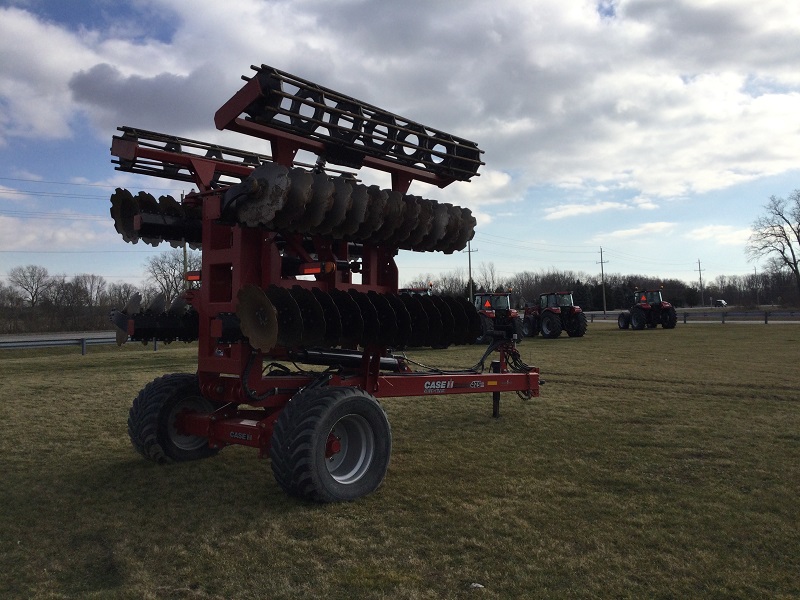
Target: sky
[{"x": 654, "y": 130}]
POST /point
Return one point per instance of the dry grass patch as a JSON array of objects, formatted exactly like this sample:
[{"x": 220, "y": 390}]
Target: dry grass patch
[{"x": 656, "y": 464}]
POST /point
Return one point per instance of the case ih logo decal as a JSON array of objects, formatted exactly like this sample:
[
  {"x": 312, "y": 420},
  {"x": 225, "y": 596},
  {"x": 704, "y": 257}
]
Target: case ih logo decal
[{"x": 439, "y": 386}]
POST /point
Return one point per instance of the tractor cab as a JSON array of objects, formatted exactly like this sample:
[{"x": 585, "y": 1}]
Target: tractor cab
[
  {"x": 651, "y": 297},
  {"x": 555, "y": 300},
  {"x": 488, "y": 303}
]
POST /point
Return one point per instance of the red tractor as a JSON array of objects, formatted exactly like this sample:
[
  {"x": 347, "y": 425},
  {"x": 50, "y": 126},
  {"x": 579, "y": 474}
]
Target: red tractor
[
  {"x": 498, "y": 318},
  {"x": 555, "y": 312},
  {"x": 649, "y": 310},
  {"x": 298, "y": 268}
]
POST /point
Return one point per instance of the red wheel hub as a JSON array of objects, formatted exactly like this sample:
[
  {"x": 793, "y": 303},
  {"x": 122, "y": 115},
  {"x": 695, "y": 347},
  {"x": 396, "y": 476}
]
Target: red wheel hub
[{"x": 332, "y": 446}]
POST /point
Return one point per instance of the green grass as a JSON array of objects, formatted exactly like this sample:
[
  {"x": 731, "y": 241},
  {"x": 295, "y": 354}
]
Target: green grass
[{"x": 655, "y": 464}]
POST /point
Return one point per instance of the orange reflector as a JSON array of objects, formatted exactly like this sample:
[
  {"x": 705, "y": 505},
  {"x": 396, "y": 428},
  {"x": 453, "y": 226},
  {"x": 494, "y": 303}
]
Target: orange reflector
[
  {"x": 192, "y": 276},
  {"x": 316, "y": 268}
]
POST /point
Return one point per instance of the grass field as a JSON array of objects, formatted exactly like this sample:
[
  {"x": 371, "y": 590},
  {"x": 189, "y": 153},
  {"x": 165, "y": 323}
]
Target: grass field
[{"x": 656, "y": 464}]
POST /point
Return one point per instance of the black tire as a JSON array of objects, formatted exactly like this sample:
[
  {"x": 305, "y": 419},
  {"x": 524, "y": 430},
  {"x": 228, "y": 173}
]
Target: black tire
[
  {"x": 669, "y": 318},
  {"x": 530, "y": 327},
  {"x": 487, "y": 327},
  {"x": 331, "y": 444},
  {"x": 638, "y": 318},
  {"x": 624, "y": 320},
  {"x": 151, "y": 420},
  {"x": 518, "y": 326},
  {"x": 577, "y": 325},
  {"x": 551, "y": 326}
]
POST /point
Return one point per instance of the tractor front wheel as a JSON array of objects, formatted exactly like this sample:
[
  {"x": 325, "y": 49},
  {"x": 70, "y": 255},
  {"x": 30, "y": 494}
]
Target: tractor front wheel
[
  {"x": 551, "y": 326},
  {"x": 530, "y": 327},
  {"x": 331, "y": 444},
  {"x": 624, "y": 320},
  {"x": 577, "y": 325},
  {"x": 669, "y": 318},
  {"x": 151, "y": 420}
]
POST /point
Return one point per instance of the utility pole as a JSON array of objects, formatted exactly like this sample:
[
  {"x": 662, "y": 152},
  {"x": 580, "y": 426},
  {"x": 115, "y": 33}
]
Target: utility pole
[
  {"x": 470, "y": 284},
  {"x": 700, "y": 271},
  {"x": 603, "y": 279}
]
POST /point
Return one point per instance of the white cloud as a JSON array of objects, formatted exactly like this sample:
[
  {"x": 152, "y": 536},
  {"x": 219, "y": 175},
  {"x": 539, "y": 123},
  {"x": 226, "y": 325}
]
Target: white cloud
[
  {"x": 720, "y": 234},
  {"x": 564, "y": 211},
  {"x": 642, "y": 231}
]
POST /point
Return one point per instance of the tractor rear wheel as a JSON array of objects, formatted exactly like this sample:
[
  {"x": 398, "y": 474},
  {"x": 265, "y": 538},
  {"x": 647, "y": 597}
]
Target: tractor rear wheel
[
  {"x": 529, "y": 327},
  {"x": 551, "y": 326},
  {"x": 624, "y": 320},
  {"x": 638, "y": 318},
  {"x": 331, "y": 444},
  {"x": 151, "y": 420},
  {"x": 576, "y": 326},
  {"x": 669, "y": 318}
]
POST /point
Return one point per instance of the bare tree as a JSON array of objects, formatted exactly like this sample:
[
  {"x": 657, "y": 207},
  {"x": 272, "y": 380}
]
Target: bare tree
[
  {"x": 453, "y": 283},
  {"x": 118, "y": 294},
  {"x": 33, "y": 280},
  {"x": 487, "y": 277},
  {"x": 167, "y": 271},
  {"x": 776, "y": 235},
  {"x": 93, "y": 286}
]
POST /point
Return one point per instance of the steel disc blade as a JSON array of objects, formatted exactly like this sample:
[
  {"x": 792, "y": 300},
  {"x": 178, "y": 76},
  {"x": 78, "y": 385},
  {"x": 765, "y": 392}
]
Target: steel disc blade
[
  {"x": 355, "y": 214},
  {"x": 424, "y": 224},
  {"x": 321, "y": 202},
  {"x": 375, "y": 214},
  {"x": 301, "y": 190},
  {"x": 448, "y": 322},
  {"x": 372, "y": 325},
  {"x": 393, "y": 216},
  {"x": 157, "y": 305},
  {"x": 435, "y": 324},
  {"x": 178, "y": 306},
  {"x": 312, "y": 314},
  {"x": 410, "y": 222},
  {"x": 438, "y": 228},
  {"x": 268, "y": 186},
  {"x": 473, "y": 319},
  {"x": 290, "y": 320},
  {"x": 124, "y": 209},
  {"x": 460, "y": 321},
  {"x": 342, "y": 200},
  {"x": 387, "y": 335},
  {"x": 466, "y": 230},
  {"x": 420, "y": 325},
  {"x": 403, "y": 320},
  {"x": 258, "y": 319},
  {"x": 350, "y": 313},
  {"x": 333, "y": 320},
  {"x": 446, "y": 243}
]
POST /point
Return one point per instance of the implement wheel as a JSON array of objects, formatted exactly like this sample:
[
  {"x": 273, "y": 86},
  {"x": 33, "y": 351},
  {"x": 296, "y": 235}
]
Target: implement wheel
[
  {"x": 151, "y": 420},
  {"x": 331, "y": 444}
]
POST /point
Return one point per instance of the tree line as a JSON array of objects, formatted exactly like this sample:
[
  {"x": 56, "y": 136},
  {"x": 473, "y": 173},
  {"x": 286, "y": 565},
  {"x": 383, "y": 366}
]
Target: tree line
[
  {"x": 33, "y": 300},
  {"x": 748, "y": 291}
]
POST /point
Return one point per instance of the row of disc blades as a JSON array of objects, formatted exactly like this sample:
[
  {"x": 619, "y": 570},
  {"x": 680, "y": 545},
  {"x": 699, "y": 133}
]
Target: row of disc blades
[
  {"x": 169, "y": 219},
  {"x": 300, "y": 201},
  {"x": 302, "y": 317}
]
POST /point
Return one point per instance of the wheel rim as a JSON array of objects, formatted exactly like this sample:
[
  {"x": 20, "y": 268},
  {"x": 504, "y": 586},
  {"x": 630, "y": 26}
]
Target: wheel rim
[
  {"x": 349, "y": 449},
  {"x": 180, "y": 440}
]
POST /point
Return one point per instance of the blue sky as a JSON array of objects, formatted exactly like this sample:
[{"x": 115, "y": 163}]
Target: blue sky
[{"x": 655, "y": 130}]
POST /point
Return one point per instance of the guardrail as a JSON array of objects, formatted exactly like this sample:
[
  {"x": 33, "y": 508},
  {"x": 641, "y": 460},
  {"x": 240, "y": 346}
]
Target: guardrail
[
  {"x": 721, "y": 316},
  {"x": 38, "y": 341}
]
